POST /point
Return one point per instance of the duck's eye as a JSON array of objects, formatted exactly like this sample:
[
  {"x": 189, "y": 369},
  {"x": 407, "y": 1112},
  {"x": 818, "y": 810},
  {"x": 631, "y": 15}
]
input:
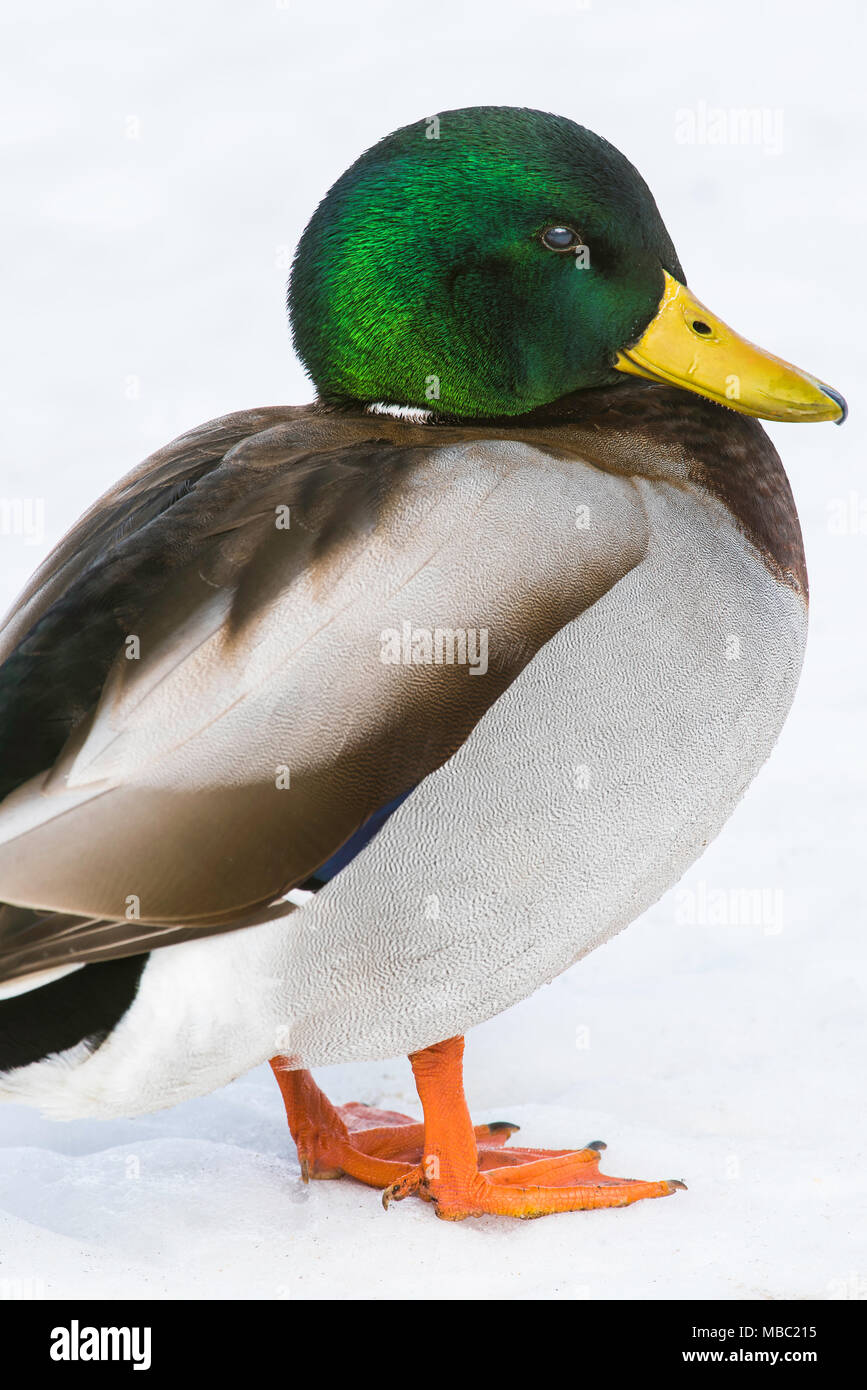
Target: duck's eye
[{"x": 560, "y": 238}]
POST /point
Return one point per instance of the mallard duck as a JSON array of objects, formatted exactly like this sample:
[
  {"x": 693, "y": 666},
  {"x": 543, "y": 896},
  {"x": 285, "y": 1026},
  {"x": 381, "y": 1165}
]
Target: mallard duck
[{"x": 332, "y": 731}]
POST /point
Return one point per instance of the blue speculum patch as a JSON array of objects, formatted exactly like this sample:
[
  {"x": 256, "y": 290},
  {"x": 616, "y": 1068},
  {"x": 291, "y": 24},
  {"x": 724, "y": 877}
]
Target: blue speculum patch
[{"x": 356, "y": 843}]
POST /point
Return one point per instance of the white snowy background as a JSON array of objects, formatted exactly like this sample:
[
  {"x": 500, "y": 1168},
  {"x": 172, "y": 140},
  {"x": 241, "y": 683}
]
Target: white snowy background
[{"x": 160, "y": 161}]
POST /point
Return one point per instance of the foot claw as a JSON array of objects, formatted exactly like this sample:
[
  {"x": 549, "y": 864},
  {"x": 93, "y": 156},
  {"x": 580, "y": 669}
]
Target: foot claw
[{"x": 409, "y": 1183}]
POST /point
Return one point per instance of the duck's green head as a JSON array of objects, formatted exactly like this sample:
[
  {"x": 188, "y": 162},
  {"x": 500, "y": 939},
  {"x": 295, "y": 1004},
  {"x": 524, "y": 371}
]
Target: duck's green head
[{"x": 492, "y": 259}]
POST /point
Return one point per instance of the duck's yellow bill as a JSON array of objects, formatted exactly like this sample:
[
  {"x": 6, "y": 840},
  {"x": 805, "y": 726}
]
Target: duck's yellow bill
[{"x": 685, "y": 345}]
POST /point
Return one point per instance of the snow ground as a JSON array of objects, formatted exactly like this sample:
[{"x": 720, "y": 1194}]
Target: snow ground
[{"x": 161, "y": 162}]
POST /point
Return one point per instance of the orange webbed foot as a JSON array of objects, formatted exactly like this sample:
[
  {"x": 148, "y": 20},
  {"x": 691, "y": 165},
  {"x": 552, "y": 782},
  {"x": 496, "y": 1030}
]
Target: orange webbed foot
[
  {"x": 525, "y": 1183},
  {"x": 567, "y": 1181},
  {"x": 464, "y": 1171}
]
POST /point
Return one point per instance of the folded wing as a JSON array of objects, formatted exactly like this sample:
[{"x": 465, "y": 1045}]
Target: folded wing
[{"x": 271, "y": 630}]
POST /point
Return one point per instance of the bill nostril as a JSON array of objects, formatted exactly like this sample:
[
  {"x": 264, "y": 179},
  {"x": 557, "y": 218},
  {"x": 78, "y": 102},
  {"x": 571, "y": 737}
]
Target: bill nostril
[{"x": 699, "y": 326}]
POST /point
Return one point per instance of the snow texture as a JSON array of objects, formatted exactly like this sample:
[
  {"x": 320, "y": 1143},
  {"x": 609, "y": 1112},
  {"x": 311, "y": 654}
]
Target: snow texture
[{"x": 160, "y": 164}]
